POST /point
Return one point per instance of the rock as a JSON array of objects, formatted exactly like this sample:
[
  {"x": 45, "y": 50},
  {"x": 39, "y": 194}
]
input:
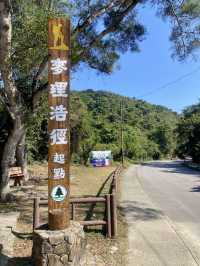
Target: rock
[
  {"x": 90, "y": 260},
  {"x": 71, "y": 239},
  {"x": 56, "y": 248},
  {"x": 113, "y": 249},
  {"x": 61, "y": 248},
  {"x": 47, "y": 248},
  {"x": 57, "y": 238},
  {"x": 64, "y": 259},
  {"x": 54, "y": 260},
  {"x": 44, "y": 262},
  {"x": 42, "y": 234}
]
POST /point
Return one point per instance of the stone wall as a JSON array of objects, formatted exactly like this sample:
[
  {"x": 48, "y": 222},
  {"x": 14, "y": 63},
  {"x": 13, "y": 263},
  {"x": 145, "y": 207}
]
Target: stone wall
[{"x": 59, "y": 248}]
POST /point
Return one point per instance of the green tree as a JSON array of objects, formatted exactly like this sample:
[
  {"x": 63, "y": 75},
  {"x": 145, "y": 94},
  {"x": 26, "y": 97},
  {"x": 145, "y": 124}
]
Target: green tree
[
  {"x": 82, "y": 135},
  {"x": 148, "y": 129},
  {"x": 101, "y": 30},
  {"x": 188, "y": 131},
  {"x": 163, "y": 135},
  {"x": 37, "y": 136}
]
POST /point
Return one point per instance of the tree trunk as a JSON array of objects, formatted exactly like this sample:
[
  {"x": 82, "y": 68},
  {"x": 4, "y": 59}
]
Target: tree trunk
[
  {"x": 12, "y": 96},
  {"x": 74, "y": 141},
  {"x": 21, "y": 155},
  {"x": 9, "y": 157}
]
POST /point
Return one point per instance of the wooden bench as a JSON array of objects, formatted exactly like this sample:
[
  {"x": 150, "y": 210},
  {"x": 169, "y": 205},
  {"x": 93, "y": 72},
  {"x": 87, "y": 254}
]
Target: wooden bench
[{"x": 17, "y": 174}]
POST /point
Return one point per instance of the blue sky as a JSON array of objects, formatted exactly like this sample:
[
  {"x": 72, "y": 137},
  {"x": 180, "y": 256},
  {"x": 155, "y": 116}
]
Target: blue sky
[{"x": 142, "y": 74}]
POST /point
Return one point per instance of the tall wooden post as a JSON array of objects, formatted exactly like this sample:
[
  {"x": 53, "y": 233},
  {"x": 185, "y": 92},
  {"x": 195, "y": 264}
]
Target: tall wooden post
[{"x": 58, "y": 161}]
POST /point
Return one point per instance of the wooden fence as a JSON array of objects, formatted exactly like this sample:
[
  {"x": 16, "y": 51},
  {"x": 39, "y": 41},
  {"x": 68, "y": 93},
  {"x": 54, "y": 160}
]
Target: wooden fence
[{"x": 109, "y": 200}]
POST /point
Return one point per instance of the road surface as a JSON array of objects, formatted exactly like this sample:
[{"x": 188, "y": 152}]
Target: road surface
[{"x": 161, "y": 204}]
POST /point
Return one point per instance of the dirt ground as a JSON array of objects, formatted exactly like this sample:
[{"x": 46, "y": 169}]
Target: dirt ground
[{"x": 84, "y": 181}]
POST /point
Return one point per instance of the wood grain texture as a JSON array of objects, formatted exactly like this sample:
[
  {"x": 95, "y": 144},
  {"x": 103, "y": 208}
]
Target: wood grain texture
[{"x": 59, "y": 211}]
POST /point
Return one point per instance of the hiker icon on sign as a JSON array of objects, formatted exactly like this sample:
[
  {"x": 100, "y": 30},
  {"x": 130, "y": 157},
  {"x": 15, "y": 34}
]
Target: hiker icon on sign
[
  {"x": 58, "y": 42},
  {"x": 59, "y": 193}
]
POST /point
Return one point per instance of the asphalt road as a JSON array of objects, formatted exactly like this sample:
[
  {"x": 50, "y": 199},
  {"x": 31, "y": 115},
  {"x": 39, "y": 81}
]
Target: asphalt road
[
  {"x": 161, "y": 203},
  {"x": 176, "y": 191}
]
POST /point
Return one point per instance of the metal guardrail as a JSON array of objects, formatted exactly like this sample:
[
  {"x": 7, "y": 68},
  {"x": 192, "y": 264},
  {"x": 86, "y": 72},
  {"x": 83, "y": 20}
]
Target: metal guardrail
[{"x": 110, "y": 208}]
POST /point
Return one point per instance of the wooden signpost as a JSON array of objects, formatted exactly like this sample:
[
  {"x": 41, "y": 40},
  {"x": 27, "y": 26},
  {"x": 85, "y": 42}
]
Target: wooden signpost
[{"x": 58, "y": 162}]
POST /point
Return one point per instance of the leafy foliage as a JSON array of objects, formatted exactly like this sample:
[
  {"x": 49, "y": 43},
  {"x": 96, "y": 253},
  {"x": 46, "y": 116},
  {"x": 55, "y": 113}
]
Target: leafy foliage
[
  {"x": 188, "y": 134},
  {"x": 96, "y": 124},
  {"x": 37, "y": 135},
  {"x": 185, "y": 20},
  {"x": 101, "y": 31}
]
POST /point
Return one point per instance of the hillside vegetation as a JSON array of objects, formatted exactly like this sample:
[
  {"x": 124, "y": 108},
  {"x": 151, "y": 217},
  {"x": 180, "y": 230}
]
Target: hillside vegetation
[
  {"x": 149, "y": 130},
  {"x": 188, "y": 130}
]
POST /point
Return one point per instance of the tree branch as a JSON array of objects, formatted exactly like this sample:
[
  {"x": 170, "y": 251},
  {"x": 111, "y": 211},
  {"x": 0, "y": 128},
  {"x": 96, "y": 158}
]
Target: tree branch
[
  {"x": 5, "y": 102},
  {"x": 37, "y": 76},
  {"x": 109, "y": 29},
  {"x": 178, "y": 23},
  {"x": 81, "y": 27},
  {"x": 38, "y": 94},
  {"x": 3, "y": 98}
]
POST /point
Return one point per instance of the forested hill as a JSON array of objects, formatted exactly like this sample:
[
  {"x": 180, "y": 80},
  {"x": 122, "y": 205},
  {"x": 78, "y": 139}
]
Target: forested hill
[{"x": 96, "y": 123}]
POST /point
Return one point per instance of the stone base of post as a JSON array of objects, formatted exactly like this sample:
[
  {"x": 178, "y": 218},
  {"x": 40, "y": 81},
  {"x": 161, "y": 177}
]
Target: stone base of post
[{"x": 59, "y": 248}]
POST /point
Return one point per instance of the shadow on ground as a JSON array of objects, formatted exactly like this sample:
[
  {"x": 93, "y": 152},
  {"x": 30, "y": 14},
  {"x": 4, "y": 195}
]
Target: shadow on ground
[
  {"x": 134, "y": 210},
  {"x": 90, "y": 212},
  {"x": 176, "y": 167},
  {"x": 195, "y": 189},
  {"x": 24, "y": 261},
  {"x": 24, "y": 236},
  {"x": 20, "y": 262},
  {"x": 21, "y": 205},
  {"x": 173, "y": 167}
]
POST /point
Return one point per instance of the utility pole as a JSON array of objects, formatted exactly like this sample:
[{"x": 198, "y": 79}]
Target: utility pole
[{"x": 122, "y": 133}]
